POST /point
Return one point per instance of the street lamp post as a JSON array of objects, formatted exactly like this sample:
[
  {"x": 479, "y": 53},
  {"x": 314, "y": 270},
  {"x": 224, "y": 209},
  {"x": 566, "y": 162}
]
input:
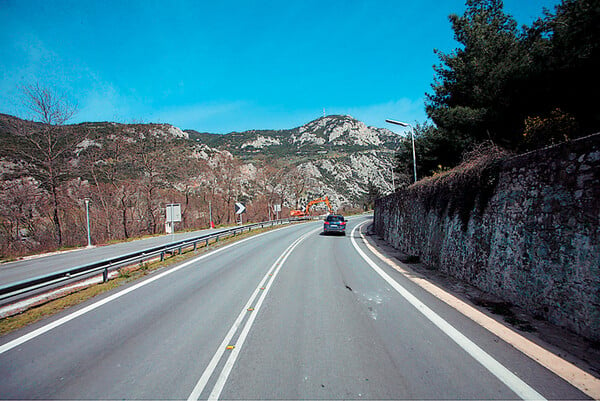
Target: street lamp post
[
  {"x": 87, "y": 214},
  {"x": 412, "y": 136}
]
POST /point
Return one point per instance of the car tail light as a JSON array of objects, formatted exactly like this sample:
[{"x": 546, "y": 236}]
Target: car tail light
[
  {"x": 327, "y": 223},
  {"x": 343, "y": 223}
]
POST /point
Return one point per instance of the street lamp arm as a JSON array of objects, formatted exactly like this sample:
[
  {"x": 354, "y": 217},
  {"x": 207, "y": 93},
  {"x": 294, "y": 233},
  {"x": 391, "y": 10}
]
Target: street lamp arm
[
  {"x": 400, "y": 123},
  {"x": 412, "y": 137}
]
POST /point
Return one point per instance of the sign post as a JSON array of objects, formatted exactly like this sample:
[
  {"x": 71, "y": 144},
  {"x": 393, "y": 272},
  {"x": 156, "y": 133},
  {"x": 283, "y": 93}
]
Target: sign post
[{"x": 87, "y": 214}]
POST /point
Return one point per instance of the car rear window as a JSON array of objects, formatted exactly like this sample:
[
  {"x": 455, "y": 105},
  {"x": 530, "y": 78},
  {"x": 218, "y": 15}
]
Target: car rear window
[{"x": 335, "y": 218}]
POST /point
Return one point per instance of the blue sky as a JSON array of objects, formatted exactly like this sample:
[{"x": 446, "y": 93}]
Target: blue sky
[{"x": 222, "y": 66}]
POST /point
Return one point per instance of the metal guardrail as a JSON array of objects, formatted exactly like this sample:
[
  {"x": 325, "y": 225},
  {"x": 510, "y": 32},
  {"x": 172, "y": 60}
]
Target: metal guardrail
[{"x": 104, "y": 266}]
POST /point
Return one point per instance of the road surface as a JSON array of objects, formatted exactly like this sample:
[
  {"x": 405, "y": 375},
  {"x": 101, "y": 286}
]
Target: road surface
[
  {"x": 288, "y": 314},
  {"x": 33, "y": 267}
]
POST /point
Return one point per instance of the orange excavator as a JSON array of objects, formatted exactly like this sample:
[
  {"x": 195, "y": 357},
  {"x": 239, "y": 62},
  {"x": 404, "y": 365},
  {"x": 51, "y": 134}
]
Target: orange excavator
[{"x": 302, "y": 213}]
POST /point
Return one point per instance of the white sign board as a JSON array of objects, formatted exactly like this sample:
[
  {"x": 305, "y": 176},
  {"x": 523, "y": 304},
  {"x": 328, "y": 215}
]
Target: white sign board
[
  {"x": 277, "y": 208},
  {"x": 173, "y": 212}
]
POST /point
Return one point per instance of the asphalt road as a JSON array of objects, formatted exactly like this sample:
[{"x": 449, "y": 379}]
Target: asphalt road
[
  {"x": 289, "y": 314},
  {"x": 12, "y": 272}
]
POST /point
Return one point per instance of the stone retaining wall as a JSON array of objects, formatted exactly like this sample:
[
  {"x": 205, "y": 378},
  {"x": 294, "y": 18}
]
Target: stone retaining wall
[{"x": 526, "y": 229}]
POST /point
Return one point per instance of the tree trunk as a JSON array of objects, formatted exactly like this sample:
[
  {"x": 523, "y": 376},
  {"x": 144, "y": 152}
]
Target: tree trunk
[
  {"x": 104, "y": 207},
  {"x": 124, "y": 217},
  {"x": 184, "y": 217},
  {"x": 151, "y": 220},
  {"x": 57, "y": 229}
]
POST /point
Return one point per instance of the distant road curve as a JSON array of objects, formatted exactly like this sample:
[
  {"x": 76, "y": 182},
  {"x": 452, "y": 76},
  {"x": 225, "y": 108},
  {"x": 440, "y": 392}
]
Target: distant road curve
[{"x": 12, "y": 272}]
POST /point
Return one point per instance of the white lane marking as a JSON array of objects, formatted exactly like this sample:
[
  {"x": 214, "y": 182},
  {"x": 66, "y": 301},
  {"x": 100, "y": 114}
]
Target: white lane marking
[
  {"x": 220, "y": 384},
  {"x": 518, "y": 386},
  {"x": 223, "y": 376},
  {"x": 579, "y": 378},
  {"x": 44, "y": 329}
]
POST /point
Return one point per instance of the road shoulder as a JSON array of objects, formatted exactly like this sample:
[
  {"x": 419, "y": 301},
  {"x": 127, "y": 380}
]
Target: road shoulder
[{"x": 573, "y": 349}]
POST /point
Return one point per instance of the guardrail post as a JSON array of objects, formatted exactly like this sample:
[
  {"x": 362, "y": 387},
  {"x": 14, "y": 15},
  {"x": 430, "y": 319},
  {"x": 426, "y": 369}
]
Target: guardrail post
[
  {"x": 180, "y": 250},
  {"x": 162, "y": 256},
  {"x": 207, "y": 243},
  {"x": 195, "y": 246},
  {"x": 105, "y": 275}
]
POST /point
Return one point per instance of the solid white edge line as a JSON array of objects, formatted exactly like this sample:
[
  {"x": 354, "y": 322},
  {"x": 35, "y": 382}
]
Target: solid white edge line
[
  {"x": 209, "y": 371},
  {"x": 574, "y": 375},
  {"x": 514, "y": 383},
  {"x": 44, "y": 329}
]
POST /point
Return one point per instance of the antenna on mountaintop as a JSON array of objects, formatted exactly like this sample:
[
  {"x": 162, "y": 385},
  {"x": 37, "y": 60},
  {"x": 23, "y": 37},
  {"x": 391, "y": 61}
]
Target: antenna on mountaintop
[{"x": 323, "y": 111}]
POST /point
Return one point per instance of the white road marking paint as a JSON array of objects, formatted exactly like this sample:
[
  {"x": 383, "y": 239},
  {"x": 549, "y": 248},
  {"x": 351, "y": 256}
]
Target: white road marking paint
[
  {"x": 579, "y": 378},
  {"x": 223, "y": 376},
  {"x": 518, "y": 386},
  {"x": 44, "y": 329}
]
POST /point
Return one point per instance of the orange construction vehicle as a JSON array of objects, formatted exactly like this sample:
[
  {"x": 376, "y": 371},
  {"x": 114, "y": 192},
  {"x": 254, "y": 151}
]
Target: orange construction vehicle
[{"x": 302, "y": 213}]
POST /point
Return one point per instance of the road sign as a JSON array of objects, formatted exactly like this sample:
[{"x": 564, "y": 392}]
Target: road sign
[
  {"x": 173, "y": 215},
  {"x": 277, "y": 208},
  {"x": 173, "y": 212},
  {"x": 239, "y": 208}
]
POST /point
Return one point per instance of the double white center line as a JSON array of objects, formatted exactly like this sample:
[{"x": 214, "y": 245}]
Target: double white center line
[{"x": 248, "y": 314}]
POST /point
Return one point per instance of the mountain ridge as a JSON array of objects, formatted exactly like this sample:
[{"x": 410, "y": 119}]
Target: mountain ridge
[
  {"x": 324, "y": 131},
  {"x": 328, "y": 150},
  {"x": 130, "y": 171}
]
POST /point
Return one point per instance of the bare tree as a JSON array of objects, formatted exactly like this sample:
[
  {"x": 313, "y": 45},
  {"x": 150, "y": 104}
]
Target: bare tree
[
  {"x": 47, "y": 146},
  {"x": 272, "y": 184},
  {"x": 231, "y": 185},
  {"x": 109, "y": 167},
  {"x": 298, "y": 184},
  {"x": 47, "y": 106},
  {"x": 19, "y": 202}
]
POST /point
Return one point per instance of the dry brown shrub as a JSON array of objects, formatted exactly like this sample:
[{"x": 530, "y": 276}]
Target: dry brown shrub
[
  {"x": 470, "y": 184},
  {"x": 474, "y": 161}
]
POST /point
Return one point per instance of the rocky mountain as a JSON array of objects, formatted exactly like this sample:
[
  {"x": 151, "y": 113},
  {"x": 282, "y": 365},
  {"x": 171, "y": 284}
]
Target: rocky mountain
[
  {"x": 327, "y": 133},
  {"x": 129, "y": 172},
  {"x": 338, "y": 155}
]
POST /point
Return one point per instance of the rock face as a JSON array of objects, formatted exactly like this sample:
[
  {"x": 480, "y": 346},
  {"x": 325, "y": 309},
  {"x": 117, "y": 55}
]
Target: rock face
[
  {"x": 336, "y": 156},
  {"x": 339, "y": 155},
  {"x": 342, "y": 133},
  {"x": 528, "y": 231}
]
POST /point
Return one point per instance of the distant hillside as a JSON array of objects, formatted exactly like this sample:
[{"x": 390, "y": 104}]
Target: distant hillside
[
  {"x": 339, "y": 133},
  {"x": 130, "y": 171},
  {"x": 341, "y": 155}
]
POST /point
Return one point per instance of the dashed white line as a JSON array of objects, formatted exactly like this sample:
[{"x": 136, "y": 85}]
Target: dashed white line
[{"x": 263, "y": 286}]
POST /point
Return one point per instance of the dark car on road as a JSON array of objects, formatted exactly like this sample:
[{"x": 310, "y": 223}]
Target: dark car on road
[{"x": 334, "y": 223}]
